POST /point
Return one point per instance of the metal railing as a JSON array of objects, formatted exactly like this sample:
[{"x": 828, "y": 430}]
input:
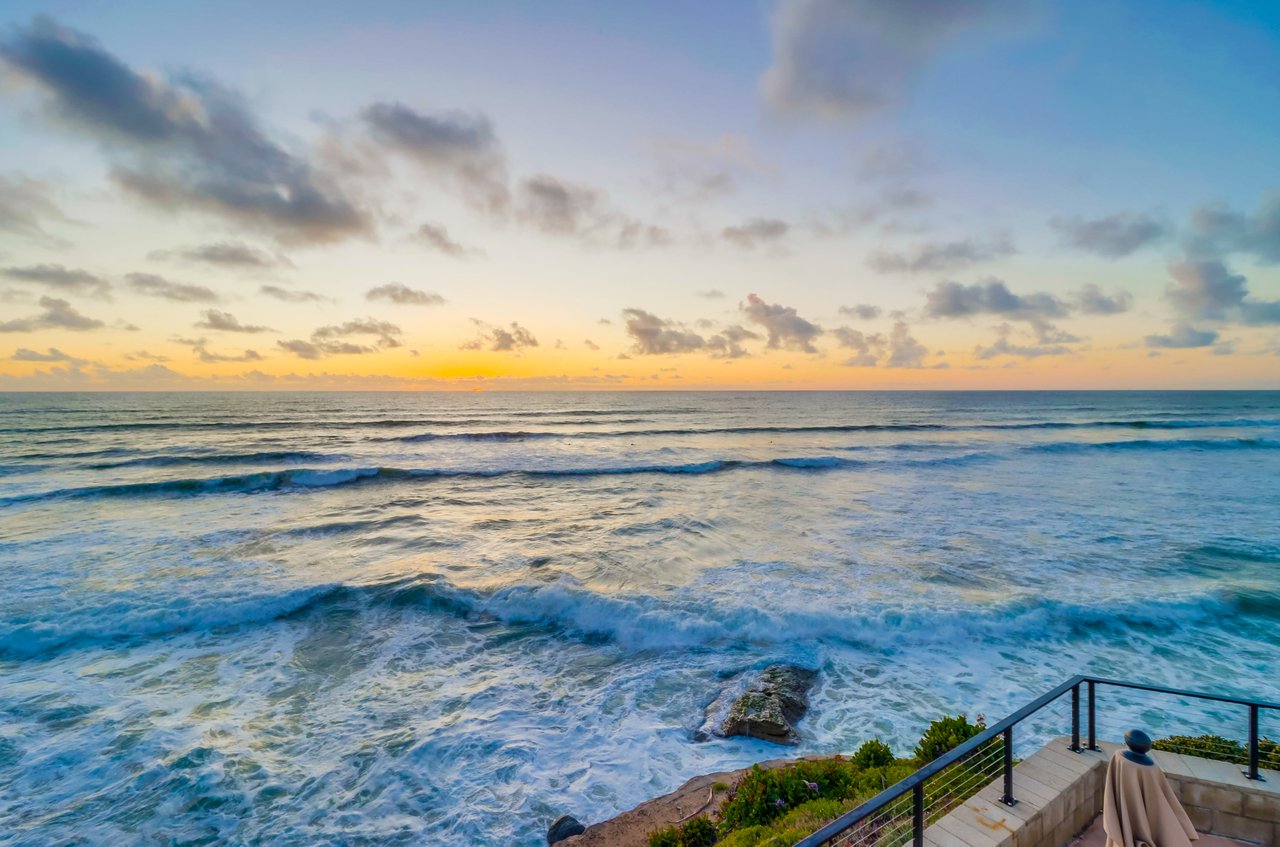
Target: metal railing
[{"x": 882, "y": 821}]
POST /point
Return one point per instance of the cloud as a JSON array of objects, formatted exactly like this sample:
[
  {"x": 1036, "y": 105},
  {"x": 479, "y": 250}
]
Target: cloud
[
  {"x": 226, "y": 322},
  {"x": 710, "y": 294},
  {"x": 387, "y": 332},
  {"x": 558, "y": 207},
  {"x": 727, "y": 343},
  {"x": 227, "y": 254},
  {"x": 654, "y": 336},
  {"x": 57, "y": 314},
  {"x": 862, "y": 311},
  {"x": 157, "y": 286},
  {"x": 182, "y": 143},
  {"x": 867, "y": 348},
  {"x": 904, "y": 350},
  {"x": 1112, "y": 237},
  {"x": 884, "y": 209},
  {"x": 785, "y": 328},
  {"x": 940, "y": 256},
  {"x": 499, "y": 339},
  {"x": 950, "y": 299},
  {"x": 1092, "y": 301},
  {"x": 25, "y": 206},
  {"x": 61, "y": 278},
  {"x": 1217, "y": 229},
  {"x": 52, "y": 354},
  {"x": 199, "y": 346},
  {"x": 395, "y": 292},
  {"x": 848, "y": 59},
  {"x": 1002, "y": 346},
  {"x": 1208, "y": 290},
  {"x": 590, "y": 345},
  {"x": 756, "y": 232},
  {"x": 699, "y": 171},
  {"x": 437, "y": 237},
  {"x": 460, "y": 149},
  {"x": 1183, "y": 336},
  {"x": 286, "y": 295},
  {"x": 332, "y": 340}
]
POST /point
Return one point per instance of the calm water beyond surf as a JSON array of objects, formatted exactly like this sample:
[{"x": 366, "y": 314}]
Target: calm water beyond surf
[{"x": 407, "y": 619}]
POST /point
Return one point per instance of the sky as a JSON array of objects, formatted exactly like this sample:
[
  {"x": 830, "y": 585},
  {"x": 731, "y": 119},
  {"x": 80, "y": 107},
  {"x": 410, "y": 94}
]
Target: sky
[{"x": 793, "y": 194}]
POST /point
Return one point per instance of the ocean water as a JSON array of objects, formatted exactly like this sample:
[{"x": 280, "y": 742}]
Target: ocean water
[{"x": 409, "y": 619}]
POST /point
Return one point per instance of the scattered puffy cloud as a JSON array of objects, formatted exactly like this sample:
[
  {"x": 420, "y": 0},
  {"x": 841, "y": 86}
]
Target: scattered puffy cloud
[
  {"x": 590, "y": 345},
  {"x": 848, "y": 59},
  {"x": 1002, "y": 346},
  {"x": 500, "y": 339},
  {"x": 785, "y": 328},
  {"x": 25, "y": 207},
  {"x": 235, "y": 255},
  {"x": 862, "y": 311},
  {"x": 698, "y": 171},
  {"x": 867, "y": 347},
  {"x": 395, "y": 292},
  {"x": 1183, "y": 336},
  {"x": 57, "y": 314},
  {"x": 653, "y": 336},
  {"x": 185, "y": 142},
  {"x": 333, "y": 340},
  {"x": 51, "y": 354},
  {"x": 227, "y": 322},
  {"x": 62, "y": 279},
  {"x": 181, "y": 292},
  {"x": 1208, "y": 290},
  {"x": 727, "y": 343},
  {"x": 757, "y": 232},
  {"x": 437, "y": 237},
  {"x": 1216, "y": 229},
  {"x": 459, "y": 148},
  {"x": 567, "y": 209},
  {"x": 1091, "y": 300},
  {"x": 710, "y": 294},
  {"x": 200, "y": 347},
  {"x": 940, "y": 256},
  {"x": 949, "y": 299},
  {"x": 288, "y": 295},
  {"x": 904, "y": 350},
  {"x": 1112, "y": 237}
]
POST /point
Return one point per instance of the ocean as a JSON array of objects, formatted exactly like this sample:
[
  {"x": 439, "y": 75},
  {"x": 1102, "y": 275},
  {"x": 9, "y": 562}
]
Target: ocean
[{"x": 446, "y": 619}]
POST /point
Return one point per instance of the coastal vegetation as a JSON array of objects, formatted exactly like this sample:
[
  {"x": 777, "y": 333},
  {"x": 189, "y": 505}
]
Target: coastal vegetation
[
  {"x": 1224, "y": 749},
  {"x": 770, "y": 808}
]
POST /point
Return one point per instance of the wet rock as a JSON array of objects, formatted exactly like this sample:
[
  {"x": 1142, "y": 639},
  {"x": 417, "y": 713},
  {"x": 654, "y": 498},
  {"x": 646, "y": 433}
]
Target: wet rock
[
  {"x": 564, "y": 827},
  {"x": 768, "y": 708}
]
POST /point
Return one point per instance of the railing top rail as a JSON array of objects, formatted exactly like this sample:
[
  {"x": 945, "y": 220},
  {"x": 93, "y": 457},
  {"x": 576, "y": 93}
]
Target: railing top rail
[
  {"x": 899, "y": 789},
  {"x": 1177, "y": 692}
]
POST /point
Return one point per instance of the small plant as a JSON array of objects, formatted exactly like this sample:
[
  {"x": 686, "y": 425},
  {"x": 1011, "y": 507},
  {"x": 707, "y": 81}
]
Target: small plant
[
  {"x": 698, "y": 832},
  {"x": 1224, "y": 749},
  {"x": 873, "y": 754},
  {"x": 946, "y": 734}
]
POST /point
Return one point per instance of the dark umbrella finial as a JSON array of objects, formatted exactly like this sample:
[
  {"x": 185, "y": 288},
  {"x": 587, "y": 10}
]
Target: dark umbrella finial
[{"x": 1138, "y": 743}]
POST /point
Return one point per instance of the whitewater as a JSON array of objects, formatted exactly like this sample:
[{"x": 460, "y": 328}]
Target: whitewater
[{"x": 446, "y": 619}]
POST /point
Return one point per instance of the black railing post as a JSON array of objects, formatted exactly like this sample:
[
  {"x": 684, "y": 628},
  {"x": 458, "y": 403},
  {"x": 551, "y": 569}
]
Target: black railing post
[
  {"x": 1252, "y": 773},
  {"x": 1093, "y": 722},
  {"x": 917, "y": 814},
  {"x": 1008, "y": 798},
  {"x": 1075, "y": 718}
]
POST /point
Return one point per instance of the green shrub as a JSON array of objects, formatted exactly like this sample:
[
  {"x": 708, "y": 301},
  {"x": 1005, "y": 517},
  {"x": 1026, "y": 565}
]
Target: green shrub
[
  {"x": 698, "y": 832},
  {"x": 762, "y": 796},
  {"x": 1224, "y": 749},
  {"x": 946, "y": 734},
  {"x": 873, "y": 754},
  {"x": 667, "y": 837}
]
